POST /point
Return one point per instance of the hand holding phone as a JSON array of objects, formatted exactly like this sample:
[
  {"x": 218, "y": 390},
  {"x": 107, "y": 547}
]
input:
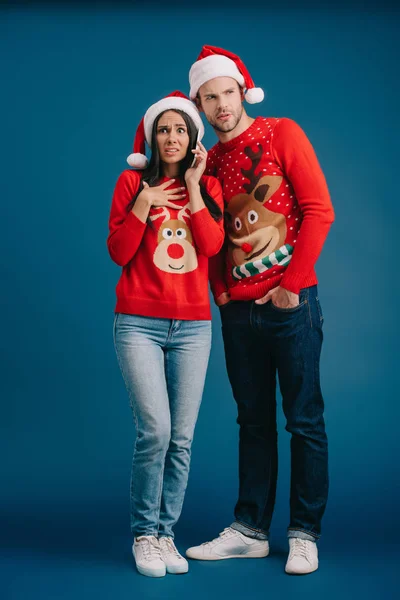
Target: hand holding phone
[{"x": 194, "y": 173}]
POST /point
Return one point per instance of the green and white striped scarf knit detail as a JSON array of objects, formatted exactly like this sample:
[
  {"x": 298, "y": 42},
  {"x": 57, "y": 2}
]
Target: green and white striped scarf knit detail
[{"x": 278, "y": 258}]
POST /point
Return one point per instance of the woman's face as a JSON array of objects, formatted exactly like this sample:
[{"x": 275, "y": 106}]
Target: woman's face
[{"x": 172, "y": 137}]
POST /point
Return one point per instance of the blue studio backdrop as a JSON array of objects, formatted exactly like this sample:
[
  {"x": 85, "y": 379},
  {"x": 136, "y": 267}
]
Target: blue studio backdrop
[{"x": 76, "y": 80}]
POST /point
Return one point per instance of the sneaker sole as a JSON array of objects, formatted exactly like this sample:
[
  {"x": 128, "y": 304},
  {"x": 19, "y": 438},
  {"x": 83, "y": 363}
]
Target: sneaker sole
[
  {"x": 152, "y": 572},
  {"x": 178, "y": 570},
  {"x": 301, "y": 573},
  {"x": 255, "y": 554}
]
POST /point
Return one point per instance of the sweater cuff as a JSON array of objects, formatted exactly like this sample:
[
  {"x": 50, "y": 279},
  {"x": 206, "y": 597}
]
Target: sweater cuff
[
  {"x": 293, "y": 282},
  {"x": 201, "y": 217},
  {"x": 133, "y": 223}
]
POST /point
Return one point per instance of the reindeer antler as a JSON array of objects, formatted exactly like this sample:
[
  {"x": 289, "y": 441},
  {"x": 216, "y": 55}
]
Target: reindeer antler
[
  {"x": 164, "y": 213},
  {"x": 255, "y": 158},
  {"x": 184, "y": 212}
]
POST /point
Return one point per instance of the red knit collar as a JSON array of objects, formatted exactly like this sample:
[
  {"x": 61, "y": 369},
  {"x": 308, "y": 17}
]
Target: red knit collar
[
  {"x": 227, "y": 146},
  {"x": 179, "y": 181}
]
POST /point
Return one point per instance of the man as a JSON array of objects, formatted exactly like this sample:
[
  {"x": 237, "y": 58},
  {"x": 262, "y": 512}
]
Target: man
[{"x": 278, "y": 213}]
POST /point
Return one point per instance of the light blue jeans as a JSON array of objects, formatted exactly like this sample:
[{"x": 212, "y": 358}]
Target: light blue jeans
[{"x": 164, "y": 364}]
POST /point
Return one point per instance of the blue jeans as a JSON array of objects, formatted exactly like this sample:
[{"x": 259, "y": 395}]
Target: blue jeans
[
  {"x": 261, "y": 342},
  {"x": 164, "y": 364}
]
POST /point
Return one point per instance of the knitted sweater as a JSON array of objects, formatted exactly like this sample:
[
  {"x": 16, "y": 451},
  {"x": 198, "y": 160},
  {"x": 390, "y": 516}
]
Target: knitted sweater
[
  {"x": 165, "y": 263},
  {"x": 277, "y": 210}
]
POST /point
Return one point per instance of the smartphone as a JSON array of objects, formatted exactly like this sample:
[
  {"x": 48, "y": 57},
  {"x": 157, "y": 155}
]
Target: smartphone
[{"x": 193, "y": 148}]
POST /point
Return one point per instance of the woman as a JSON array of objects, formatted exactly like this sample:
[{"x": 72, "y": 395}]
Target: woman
[{"x": 165, "y": 222}]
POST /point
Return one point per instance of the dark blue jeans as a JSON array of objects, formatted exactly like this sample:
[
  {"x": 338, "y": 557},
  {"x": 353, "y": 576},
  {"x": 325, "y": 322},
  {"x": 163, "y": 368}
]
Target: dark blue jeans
[{"x": 261, "y": 342}]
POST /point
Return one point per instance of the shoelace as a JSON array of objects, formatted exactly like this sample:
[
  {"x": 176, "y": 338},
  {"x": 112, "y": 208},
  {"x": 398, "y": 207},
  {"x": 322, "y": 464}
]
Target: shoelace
[
  {"x": 225, "y": 534},
  {"x": 168, "y": 545},
  {"x": 300, "y": 548},
  {"x": 151, "y": 548}
]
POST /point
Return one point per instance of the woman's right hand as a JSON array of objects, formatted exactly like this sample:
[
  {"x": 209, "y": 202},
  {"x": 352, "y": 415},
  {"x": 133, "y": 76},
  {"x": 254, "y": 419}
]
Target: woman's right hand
[{"x": 160, "y": 196}]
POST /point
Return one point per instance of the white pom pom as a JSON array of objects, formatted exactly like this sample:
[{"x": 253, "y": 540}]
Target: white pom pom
[
  {"x": 137, "y": 161},
  {"x": 254, "y": 95}
]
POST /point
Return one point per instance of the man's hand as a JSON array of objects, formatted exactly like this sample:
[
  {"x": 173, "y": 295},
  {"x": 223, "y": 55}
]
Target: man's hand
[
  {"x": 280, "y": 297},
  {"x": 222, "y": 299}
]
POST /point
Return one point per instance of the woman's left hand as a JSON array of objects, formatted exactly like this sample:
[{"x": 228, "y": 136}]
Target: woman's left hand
[{"x": 193, "y": 174}]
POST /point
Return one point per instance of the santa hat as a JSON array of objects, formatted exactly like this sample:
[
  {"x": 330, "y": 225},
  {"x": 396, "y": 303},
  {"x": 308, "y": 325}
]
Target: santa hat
[
  {"x": 174, "y": 101},
  {"x": 215, "y": 62}
]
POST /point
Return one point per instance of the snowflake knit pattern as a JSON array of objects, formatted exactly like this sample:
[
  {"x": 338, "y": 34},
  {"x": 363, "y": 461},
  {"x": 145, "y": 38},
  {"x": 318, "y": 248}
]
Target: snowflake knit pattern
[{"x": 271, "y": 181}]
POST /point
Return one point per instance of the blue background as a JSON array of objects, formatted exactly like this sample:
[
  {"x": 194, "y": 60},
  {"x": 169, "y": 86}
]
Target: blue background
[{"x": 75, "y": 83}]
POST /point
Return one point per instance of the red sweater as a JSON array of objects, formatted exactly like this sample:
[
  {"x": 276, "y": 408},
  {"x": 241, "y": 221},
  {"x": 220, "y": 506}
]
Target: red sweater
[
  {"x": 277, "y": 208},
  {"x": 165, "y": 265}
]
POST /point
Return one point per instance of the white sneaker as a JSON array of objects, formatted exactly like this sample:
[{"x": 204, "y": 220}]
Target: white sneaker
[
  {"x": 230, "y": 544},
  {"x": 147, "y": 553},
  {"x": 174, "y": 562},
  {"x": 303, "y": 557}
]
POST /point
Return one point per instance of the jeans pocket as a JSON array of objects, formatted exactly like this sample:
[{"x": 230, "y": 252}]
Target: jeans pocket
[
  {"x": 287, "y": 310},
  {"x": 224, "y": 308},
  {"x": 226, "y": 304}
]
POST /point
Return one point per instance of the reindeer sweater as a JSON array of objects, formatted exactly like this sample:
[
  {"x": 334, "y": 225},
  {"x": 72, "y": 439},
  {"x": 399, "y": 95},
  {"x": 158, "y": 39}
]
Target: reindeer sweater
[
  {"x": 277, "y": 210},
  {"x": 165, "y": 264}
]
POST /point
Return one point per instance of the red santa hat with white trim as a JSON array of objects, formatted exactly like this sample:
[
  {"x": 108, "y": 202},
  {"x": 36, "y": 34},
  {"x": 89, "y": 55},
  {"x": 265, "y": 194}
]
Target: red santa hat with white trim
[
  {"x": 215, "y": 62},
  {"x": 174, "y": 101}
]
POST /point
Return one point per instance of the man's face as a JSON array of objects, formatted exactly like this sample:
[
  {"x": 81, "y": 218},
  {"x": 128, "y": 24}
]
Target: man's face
[{"x": 221, "y": 100}]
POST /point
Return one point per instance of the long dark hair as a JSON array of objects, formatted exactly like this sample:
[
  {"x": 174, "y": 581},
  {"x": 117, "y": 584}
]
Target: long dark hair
[{"x": 152, "y": 174}]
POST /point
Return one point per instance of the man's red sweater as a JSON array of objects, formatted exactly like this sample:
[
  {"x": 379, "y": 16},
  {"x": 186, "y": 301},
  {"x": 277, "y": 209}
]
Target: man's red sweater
[
  {"x": 165, "y": 262},
  {"x": 277, "y": 210}
]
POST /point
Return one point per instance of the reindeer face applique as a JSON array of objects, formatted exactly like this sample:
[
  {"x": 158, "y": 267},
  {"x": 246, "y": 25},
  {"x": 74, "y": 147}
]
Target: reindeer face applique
[
  {"x": 255, "y": 232},
  {"x": 175, "y": 252}
]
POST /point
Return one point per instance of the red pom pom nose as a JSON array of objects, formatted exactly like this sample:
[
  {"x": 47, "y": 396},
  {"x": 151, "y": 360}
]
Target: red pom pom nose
[
  {"x": 175, "y": 251},
  {"x": 247, "y": 247}
]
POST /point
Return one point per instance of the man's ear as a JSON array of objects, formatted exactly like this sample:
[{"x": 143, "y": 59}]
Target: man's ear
[
  {"x": 241, "y": 93},
  {"x": 197, "y": 102}
]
